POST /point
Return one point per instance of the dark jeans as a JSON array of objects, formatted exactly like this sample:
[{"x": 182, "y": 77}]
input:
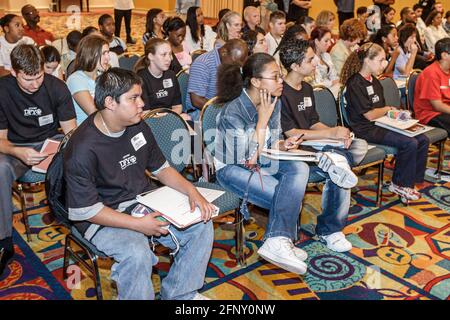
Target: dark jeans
[
  {"x": 411, "y": 158},
  {"x": 441, "y": 121},
  {"x": 118, "y": 15},
  {"x": 342, "y": 16}
]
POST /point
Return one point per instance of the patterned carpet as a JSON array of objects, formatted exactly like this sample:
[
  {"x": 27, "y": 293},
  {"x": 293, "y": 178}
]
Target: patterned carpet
[{"x": 400, "y": 253}]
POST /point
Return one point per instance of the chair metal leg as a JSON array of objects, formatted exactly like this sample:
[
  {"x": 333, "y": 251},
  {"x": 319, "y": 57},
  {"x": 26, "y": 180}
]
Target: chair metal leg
[
  {"x": 66, "y": 256},
  {"x": 440, "y": 157},
  {"x": 24, "y": 212},
  {"x": 97, "y": 281},
  {"x": 380, "y": 183},
  {"x": 240, "y": 239}
]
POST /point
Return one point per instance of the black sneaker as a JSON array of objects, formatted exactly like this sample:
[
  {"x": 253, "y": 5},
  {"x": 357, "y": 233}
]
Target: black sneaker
[
  {"x": 131, "y": 41},
  {"x": 5, "y": 258}
]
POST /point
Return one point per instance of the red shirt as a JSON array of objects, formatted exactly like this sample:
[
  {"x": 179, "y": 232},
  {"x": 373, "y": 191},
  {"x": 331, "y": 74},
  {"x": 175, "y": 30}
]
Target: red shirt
[
  {"x": 39, "y": 36},
  {"x": 432, "y": 84}
]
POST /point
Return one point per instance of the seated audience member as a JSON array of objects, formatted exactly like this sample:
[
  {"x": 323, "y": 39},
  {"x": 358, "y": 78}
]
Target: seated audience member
[
  {"x": 420, "y": 24},
  {"x": 203, "y": 74},
  {"x": 113, "y": 58},
  {"x": 294, "y": 32},
  {"x": 365, "y": 103},
  {"x": 446, "y": 23},
  {"x": 107, "y": 28},
  {"x": 307, "y": 23},
  {"x": 407, "y": 15},
  {"x": 256, "y": 42},
  {"x": 252, "y": 19},
  {"x": 387, "y": 38},
  {"x": 434, "y": 31},
  {"x": 13, "y": 36},
  {"x": 73, "y": 38},
  {"x": 92, "y": 58},
  {"x": 325, "y": 73},
  {"x": 153, "y": 26},
  {"x": 362, "y": 14},
  {"x": 199, "y": 36},
  {"x": 32, "y": 30},
  {"x": 175, "y": 30},
  {"x": 52, "y": 61},
  {"x": 116, "y": 147},
  {"x": 250, "y": 121},
  {"x": 432, "y": 91},
  {"x": 439, "y": 7},
  {"x": 160, "y": 88},
  {"x": 299, "y": 118},
  {"x": 408, "y": 51},
  {"x": 277, "y": 27},
  {"x": 221, "y": 14},
  {"x": 327, "y": 19},
  {"x": 33, "y": 106},
  {"x": 387, "y": 16},
  {"x": 351, "y": 32},
  {"x": 229, "y": 28},
  {"x": 427, "y": 6}
]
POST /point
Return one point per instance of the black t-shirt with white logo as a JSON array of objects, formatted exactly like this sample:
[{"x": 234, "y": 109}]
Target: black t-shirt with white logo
[
  {"x": 298, "y": 109},
  {"x": 363, "y": 96},
  {"x": 109, "y": 170},
  {"x": 163, "y": 92},
  {"x": 34, "y": 117}
]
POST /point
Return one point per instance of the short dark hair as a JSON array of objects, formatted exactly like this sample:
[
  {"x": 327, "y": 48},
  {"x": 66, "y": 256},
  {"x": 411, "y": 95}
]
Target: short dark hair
[
  {"x": 251, "y": 38},
  {"x": 51, "y": 54},
  {"x": 6, "y": 20},
  {"x": 361, "y": 10},
  {"x": 114, "y": 83},
  {"x": 173, "y": 24},
  {"x": 277, "y": 15},
  {"x": 293, "y": 51},
  {"x": 447, "y": 14},
  {"x": 88, "y": 30},
  {"x": 417, "y": 6},
  {"x": 73, "y": 38},
  {"x": 404, "y": 33},
  {"x": 103, "y": 18},
  {"x": 28, "y": 59},
  {"x": 442, "y": 46}
]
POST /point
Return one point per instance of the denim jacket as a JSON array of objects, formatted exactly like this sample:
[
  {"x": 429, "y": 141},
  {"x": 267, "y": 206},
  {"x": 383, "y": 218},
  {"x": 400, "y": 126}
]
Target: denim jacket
[{"x": 236, "y": 125}]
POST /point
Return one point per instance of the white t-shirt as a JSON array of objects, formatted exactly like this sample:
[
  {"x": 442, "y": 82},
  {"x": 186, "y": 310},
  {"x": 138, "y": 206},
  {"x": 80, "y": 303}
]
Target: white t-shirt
[
  {"x": 123, "y": 4},
  {"x": 272, "y": 45},
  {"x": 208, "y": 39},
  {"x": 6, "y": 48}
]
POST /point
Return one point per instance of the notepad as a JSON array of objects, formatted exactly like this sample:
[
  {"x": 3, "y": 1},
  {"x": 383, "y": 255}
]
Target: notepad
[
  {"x": 410, "y": 128},
  {"x": 49, "y": 147},
  {"x": 294, "y": 155},
  {"x": 320, "y": 143},
  {"x": 174, "y": 206}
]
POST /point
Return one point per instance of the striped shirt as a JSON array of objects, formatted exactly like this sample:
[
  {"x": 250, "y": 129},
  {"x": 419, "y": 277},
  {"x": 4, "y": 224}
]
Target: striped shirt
[{"x": 203, "y": 77}]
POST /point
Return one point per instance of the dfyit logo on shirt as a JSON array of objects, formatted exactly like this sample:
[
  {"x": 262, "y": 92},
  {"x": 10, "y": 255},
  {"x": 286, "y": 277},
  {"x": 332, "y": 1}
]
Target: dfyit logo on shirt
[
  {"x": 161, "y": 94},
  {"x": 32, "y": 112},
  {"x": 127, "y": 161}
]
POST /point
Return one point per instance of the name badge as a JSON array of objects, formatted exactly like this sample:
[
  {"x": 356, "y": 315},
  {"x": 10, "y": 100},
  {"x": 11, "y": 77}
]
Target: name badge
[
  {"x": 167, "y": 83},
  {"x": 375, "y": 99},
  {"x": 307, "y": 101},
  {"x": 370, "y": 90},
  {"x": 44, "y": 120},
  {"x": 138, "y": 141}
]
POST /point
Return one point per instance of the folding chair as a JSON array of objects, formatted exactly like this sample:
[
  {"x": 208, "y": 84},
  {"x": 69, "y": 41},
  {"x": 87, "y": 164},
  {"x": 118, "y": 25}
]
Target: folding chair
[
  {"x": 127, "y": 61},
  {"x": 183, "y": 78}
]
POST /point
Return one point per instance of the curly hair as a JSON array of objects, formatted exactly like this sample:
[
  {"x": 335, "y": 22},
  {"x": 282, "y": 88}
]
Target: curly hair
[
  {"x": 355, "y": 61},
  {"x": 352, "y": 29},
  {"x": 293, "y": 51}
]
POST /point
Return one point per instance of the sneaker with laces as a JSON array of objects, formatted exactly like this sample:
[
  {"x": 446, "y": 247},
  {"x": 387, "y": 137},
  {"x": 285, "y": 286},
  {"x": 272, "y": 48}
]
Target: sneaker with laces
[
  {"x": 337, "y": 242},
  {"x": 199, "y": 296},
  {"x": 405, "y": 192},
  {"x": 300, "y": 253},
  {"x": 338, "y": 169},
  {"x": 280, "y": 252}
]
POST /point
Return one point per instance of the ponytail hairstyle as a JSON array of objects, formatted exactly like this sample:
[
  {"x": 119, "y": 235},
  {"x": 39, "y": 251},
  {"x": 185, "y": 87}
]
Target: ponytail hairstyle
[
  {"x": 191, "y": 21},
  {"x": 150, "y": 47},
  {"x": 6, "y": 20},
  {"x": 317, "y": 34},
  {"x": 230, "y": 80},
  {"x": 173, "y": 24},
  {"x": 222, "y": 29},
  {"x": 355, "y": 61},
  {"x": 383, "y": 32},
  {"x": 150, "y": 24}
]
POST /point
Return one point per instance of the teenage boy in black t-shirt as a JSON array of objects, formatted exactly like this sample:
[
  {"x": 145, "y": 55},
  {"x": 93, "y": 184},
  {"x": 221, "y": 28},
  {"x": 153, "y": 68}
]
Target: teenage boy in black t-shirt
[
  {"x": 104, "y": 167},
  {"x": 33, "y": 106},
  {"x": 299, "y": 117}
]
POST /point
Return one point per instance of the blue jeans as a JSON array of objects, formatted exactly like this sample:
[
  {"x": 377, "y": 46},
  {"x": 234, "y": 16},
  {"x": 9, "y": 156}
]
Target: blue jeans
[
  {"x": 134, "y": 260},
  {"x": 335, "y": 205},
  {"x": 282, "y": 193}
]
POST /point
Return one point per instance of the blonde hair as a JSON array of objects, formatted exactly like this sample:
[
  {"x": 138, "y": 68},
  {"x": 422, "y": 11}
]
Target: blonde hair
[
  {"x": 222, "y": 30},
  {"x": 323, "y": 17},
  {"x": 355, "y": 60}
]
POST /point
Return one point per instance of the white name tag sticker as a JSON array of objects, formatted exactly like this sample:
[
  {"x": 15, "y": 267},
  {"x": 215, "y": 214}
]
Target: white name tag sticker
[
  {"x": 167, "y": 83},
  {"x": 307, "y": 101},
  {"x": 44, "y": 120},
  {"x": 375, "y": 99},
  {"x": 138, "y": 141},
  {"x": 370, "y": 90}
]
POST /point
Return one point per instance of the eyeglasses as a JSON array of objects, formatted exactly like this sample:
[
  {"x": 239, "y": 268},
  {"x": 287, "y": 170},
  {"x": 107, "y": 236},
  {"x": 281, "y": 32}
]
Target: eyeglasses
[{"x": 276, "y": 78}]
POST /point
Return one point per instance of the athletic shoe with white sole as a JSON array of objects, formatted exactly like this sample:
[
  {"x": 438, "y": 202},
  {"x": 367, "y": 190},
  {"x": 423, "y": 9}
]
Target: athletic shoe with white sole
[
  {"x": 280, "y": 252},
  {"x": 338, "y": 169},
  {"x": 337, "y": 242},
  {"x": 408, "y": 193}
]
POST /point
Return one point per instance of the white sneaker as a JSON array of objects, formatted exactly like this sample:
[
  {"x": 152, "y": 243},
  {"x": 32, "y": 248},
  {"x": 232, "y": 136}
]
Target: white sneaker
[
  {"x": 300, "y": 253},
  {"x": 199, "y": 296},
  {"x": 338, "y": 169},
  {"x": 408, "y": 193},
  {"x": 280, "y": 252},
  {"x": 337, "y": 242}
]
